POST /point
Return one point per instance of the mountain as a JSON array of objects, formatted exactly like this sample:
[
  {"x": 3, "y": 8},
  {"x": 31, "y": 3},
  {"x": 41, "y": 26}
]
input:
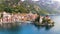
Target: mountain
[
  {"x": 52, "y": 7},
  {"x": 47, "y": 6},
  {"x": 41, "y": 7}
]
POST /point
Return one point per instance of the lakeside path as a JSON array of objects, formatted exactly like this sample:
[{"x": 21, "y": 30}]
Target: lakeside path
[{"x": 18, "y": 17}]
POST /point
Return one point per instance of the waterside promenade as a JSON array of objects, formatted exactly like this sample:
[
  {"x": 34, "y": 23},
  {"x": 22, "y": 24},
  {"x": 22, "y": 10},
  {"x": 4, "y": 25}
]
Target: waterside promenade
[{"x": 7, "y": 18}]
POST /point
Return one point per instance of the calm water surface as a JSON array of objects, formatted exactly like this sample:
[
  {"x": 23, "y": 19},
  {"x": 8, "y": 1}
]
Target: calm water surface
[{"x": 32, "y": 29}]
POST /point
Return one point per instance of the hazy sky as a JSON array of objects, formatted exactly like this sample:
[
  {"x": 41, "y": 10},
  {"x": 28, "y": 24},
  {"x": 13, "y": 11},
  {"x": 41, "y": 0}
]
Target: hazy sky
[
  {"x": 35, "y": 0},
  {"x": 38, "y": 0},
  {"x": 22, "y": 0},
  {"x": 56, "y": 0},
  {"x": 32, "y": 0}
]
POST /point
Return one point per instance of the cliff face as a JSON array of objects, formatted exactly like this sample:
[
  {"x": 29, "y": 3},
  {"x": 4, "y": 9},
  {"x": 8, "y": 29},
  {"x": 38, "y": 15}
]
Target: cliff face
[
  {"x": 45, "y": 6},
  {"x": 49, "y": 6}
]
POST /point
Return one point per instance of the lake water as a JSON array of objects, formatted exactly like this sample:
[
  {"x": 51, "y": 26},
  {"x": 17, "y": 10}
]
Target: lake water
[{"x": 32, "y": 29}]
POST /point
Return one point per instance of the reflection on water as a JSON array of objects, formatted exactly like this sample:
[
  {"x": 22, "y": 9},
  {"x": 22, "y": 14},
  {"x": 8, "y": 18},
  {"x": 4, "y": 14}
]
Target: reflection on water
[
  {"x": 32, "y": 29},
  {"x": 13, "y": 30},
  {"x": 46, "y": 27}
]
